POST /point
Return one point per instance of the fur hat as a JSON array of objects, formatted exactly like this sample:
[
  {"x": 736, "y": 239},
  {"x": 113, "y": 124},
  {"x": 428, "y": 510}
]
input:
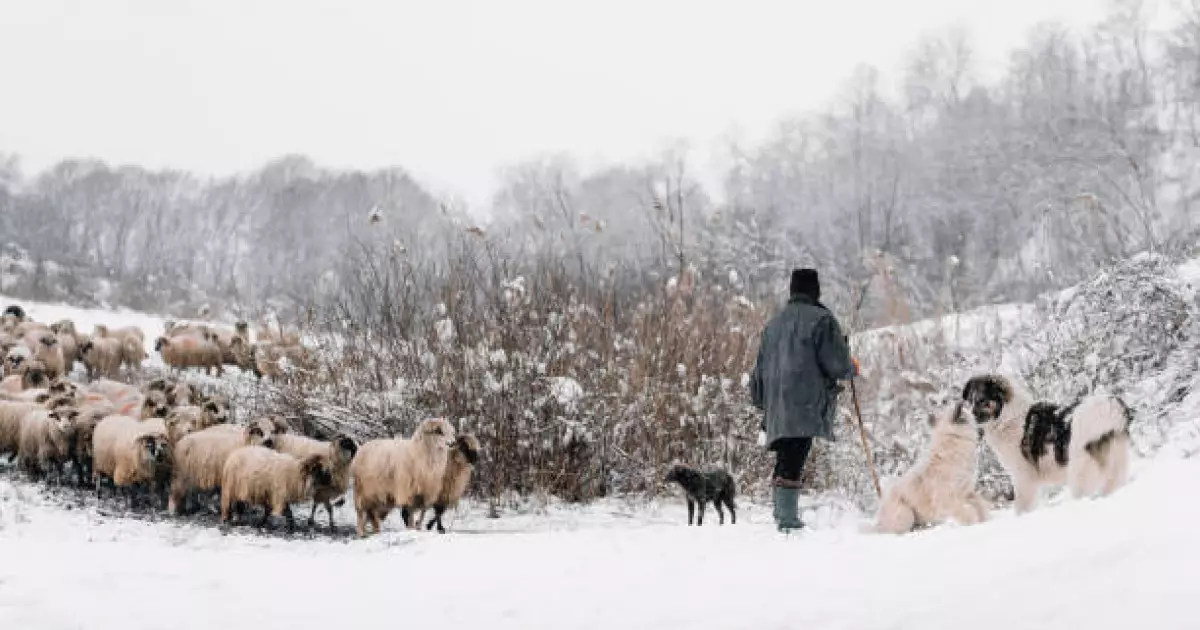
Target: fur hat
[{"x": 806, "y": 282}]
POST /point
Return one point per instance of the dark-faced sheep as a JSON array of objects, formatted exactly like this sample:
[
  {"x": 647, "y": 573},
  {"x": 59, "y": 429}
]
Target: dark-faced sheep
[
  {"x": 199, "y": 459},
  {"x": 45, "y": 441},
  {"x": 406, "y": 472},
  {"x": 461, "y": 463},
  {"x": 31, "y": 375},
  {"x": 340, "y": 452},
  {"x": 256, "y": 475},
  {"x": 101, "y": 357},
  {"x": 128, "y": 451}
]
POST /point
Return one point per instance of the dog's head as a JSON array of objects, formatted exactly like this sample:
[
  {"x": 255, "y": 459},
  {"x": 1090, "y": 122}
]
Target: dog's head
[
  {"x": 987, "y": 395},
  {"x": 677, "y": 474}
]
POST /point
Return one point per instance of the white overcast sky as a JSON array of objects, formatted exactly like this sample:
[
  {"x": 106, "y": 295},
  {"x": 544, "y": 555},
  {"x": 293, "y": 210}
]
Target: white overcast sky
[{"x": 449, "y": 89}]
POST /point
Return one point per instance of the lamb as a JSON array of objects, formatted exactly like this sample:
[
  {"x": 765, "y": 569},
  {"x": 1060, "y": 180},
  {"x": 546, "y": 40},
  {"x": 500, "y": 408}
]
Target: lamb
[
  {"x": 189, "y": 352},
  {"x": 128, "y": 451},
  {"x": 396, "y": 471},
  {"x": 457, "y": 477},
  {"x": 941, "y": 485},
  {"x": 45, "y": 441},
  {"x": 101, "y": 356},
  {"x": 260, "y": 476},
  {"x": 340, "y": 453},
  {"x": 199, "y": 458}
]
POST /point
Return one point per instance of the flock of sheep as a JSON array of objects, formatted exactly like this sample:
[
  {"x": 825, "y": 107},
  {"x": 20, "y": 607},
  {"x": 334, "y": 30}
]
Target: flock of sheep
[{"x": 170, "y": 441}]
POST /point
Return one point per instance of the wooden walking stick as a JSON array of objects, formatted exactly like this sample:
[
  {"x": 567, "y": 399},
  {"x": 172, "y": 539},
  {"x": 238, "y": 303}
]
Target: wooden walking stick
[{"x": 862, "y": 432}]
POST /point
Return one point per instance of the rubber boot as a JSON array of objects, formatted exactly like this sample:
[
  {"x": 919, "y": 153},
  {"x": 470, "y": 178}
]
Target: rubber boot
[{"x": 786, "y": 501}]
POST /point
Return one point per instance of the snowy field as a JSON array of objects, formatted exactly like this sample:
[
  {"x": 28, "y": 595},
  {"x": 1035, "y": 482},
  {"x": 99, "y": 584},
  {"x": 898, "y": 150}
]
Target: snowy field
[
  {"x": 1130, "y": 561},
  {"x": 1127, "y": 561}
]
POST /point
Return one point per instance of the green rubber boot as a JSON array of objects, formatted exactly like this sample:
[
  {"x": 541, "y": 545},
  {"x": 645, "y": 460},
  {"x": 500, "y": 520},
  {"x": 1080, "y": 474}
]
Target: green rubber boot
[{"x": 786, "y": 501}]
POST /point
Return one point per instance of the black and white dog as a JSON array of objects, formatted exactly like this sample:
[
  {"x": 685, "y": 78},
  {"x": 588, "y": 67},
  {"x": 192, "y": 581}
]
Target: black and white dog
[
  {"x": 701, "y": 487},
  {"x": 1084, "y": 445}
]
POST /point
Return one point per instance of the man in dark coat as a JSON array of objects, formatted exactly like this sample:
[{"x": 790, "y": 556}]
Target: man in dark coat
[{"x": 802, "y": 356}]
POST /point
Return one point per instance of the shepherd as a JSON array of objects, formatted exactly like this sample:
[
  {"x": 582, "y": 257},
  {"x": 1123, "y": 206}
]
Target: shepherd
[{"x": 801, "y": 359}]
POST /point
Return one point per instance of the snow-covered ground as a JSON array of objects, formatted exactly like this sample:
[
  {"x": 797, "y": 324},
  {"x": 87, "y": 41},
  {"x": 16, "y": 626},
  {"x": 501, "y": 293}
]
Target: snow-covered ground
[{"x": 1128, "y": 561}]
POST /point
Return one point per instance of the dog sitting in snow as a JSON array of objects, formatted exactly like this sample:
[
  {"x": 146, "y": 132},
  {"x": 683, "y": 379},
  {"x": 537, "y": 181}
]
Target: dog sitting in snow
[
  {"x": 1084, "y": 445},
  {"x": 941, "y": 485},
  {"x": 701, "y": 487}
]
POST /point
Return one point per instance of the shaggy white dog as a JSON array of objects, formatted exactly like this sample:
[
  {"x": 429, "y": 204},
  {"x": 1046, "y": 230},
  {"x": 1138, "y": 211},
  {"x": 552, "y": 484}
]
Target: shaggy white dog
[
  {"x": 1084, "y": 446},
  {"x": 941, "y": 485}
]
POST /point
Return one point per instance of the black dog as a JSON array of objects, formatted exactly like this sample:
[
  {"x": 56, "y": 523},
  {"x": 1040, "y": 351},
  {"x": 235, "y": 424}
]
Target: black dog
[
  {"x": 16, "y": 311},
  {"x": 701, "y": 487}
]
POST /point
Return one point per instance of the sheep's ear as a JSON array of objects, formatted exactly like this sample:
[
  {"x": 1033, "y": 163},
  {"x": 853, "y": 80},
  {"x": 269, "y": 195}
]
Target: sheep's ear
[{"x": 347, "y": 446}]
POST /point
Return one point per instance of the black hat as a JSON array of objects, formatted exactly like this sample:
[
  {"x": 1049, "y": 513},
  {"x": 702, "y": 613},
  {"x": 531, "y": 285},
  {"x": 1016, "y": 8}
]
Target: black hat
[{"x": 806, "y": 282}]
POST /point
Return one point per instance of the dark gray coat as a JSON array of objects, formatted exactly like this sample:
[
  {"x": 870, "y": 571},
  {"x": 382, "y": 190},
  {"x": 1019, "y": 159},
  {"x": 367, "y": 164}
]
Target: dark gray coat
[{"x": 802, "y": 356}]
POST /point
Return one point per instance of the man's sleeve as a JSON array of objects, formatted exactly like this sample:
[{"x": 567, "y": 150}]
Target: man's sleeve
[
  {"x": 833, "y": 353},
  {"x": 756, "y": 380}
]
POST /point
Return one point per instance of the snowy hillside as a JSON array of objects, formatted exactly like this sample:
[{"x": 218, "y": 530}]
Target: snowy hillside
[{"x": 1125, "y": 561}]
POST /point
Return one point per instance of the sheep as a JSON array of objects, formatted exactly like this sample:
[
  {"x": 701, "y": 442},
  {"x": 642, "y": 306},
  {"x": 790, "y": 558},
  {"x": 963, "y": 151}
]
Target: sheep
[
  {"x": 11, "y": 415},
  {"x": 46, "y": 349},
  {"x": 178, "y": 393},
  {"x": 15, "y": 358},
  {"x": 199, "y": 458},
  {"x": 101, "y": 357},
  {"x": 127, "y": 399},
  {"x": 128, "y": 451},
  {"x": 45, "y": 441},
  {"x": 223, "y": 339},
  {"x": 69, "y": 340},
  {"x": 175, "y": 329},
  {"x": 32, "y": 375},
  {"x": 79, "y": 450},
  {"x": 187, "y": 352},
  {"x": 257, "y": 475},
  {"x": 340, "y": 451},
  {"x": 278, "y": 362},
  {"x": 209, "y": 414},
  {"x": 397, "y": 471},
  {"x": 457, "y": 477},
  {"x": 131, "y": 344}
]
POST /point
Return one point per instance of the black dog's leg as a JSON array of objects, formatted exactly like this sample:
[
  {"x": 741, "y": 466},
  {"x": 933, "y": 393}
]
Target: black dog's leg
[
  {"x": 732, "y": 509},
  {"x": 691, "y": 510},
  {"x": 700, "y": 516},
  {"x": 720, "y": 512}
]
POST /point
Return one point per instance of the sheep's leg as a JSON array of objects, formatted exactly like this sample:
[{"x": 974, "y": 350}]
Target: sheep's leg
[
  {"x": 361, "y": 527},
  {"x": 291, "y": 521},
  {"x": 312, "y": 516},
  {"x": 691, "y": 510},
  {"x": 438, "y": 511},
  {"x": 329, "y": 508}
]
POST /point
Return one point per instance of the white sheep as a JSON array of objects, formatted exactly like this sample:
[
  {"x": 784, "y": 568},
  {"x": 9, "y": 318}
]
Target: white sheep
[
  {"x": 187, "y": 351},
  {"x": 45, "y": 441},
  {"x": 256, "y": 475},
  {"x": 405, "y": 472},
  {"x": 128, "y": 451},
  {"x": 461, "y": 463},
  {"x": 199, "y": 459}
]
